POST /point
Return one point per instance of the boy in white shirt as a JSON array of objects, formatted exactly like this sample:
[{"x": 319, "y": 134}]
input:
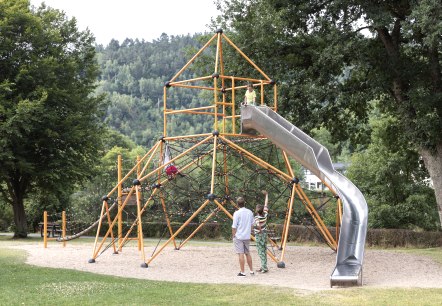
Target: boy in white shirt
[{"x": 243, "y": 221}]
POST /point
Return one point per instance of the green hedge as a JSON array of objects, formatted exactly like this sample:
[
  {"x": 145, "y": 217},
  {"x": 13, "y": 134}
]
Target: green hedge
[
  {"x": 403, "y": 238},
  {"x": 297, "y": 233}
]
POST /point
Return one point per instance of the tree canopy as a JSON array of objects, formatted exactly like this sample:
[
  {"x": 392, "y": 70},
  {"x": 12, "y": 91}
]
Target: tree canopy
[
  {"x": 50, "y": 122},
  {"x": 333, "y": 57}
]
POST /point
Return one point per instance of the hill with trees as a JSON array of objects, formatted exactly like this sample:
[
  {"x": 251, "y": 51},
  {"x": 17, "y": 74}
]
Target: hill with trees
[{"x": 133, "y": 75}]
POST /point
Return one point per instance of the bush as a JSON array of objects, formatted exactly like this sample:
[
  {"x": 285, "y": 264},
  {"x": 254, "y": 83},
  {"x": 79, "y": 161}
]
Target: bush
[{"x": 385, "y": 238}]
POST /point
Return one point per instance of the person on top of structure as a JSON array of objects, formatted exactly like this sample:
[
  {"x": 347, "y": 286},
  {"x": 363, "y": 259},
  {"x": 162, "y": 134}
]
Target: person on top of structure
[{"x": 250, "y": 96}]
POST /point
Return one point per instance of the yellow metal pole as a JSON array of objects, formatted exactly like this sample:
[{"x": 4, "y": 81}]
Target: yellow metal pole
[
  {"x": 189, "y": 110},
  {"x": 226, "y": 177},
  {"x": 179, "y": 230},
  {"x": 287, "y": 227},
  {"x": 245, "y": 56},
  {"x": 185, "y": 111},
  {"x": 220, "y": 206},
  {"x": 63, "y": 227},
  {"x": 45, "y": 229},
  {"x": 338, "y": 218},
  {"x": 194, "y": 57},
  {"x": 183, "y": 82},
  {"x": 110, "y": 228},
  {"x": 262, "y": 93},
  {"x": 198, "y": 228},
  {"x": 233, "y": 107},
  {"x": 175, "y": 158},
  {"x": 182, "y": 85},
  {"x": 221, "y": 60},
  {"x": 275, "y": 98},
  {"x": 140, "y": 224},
  {"x": 286, "y": 221},
  {"x": 186, "y": 137},
  {"x": 212, "y": 184},
  {"x": 150, "y": 159},
  {"x": 215, "y": 99},
  {"x": 256, "y": 160},
  {"x": 164, "y": 111},
  {"x": 200, "y": 157},
  {"x": 120, "y": 195},
  {"x": 138, "y": 194},
  {"x": 98, "y": 230},
  {"x": 289, "y": 213},
  {"x": 166, "y": 215},
  {"x": 287, "y": 164},
  {"x": 223, "y": 83},
  {"x": 120, "y": 209},
  {"x": 126, "y": 237},
  {"x": 133, "y": 169},
  {"x": 218, "y": 46},
  {"x": 320, "y": 224}
]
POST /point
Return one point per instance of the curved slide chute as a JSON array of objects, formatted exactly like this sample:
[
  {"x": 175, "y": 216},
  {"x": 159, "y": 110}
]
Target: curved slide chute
[{"x": 315, "y": 157}]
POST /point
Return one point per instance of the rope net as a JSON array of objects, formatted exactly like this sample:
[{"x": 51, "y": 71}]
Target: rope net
[{"x": 179, "y": 195}]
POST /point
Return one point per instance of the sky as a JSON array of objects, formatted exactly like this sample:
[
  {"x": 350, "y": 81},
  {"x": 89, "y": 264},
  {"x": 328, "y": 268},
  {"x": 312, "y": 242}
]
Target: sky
[{"x": 142, "y": 19}]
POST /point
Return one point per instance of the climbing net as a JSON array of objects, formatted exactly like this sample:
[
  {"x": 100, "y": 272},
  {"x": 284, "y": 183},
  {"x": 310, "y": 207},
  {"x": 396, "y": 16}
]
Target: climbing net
[{"x": 209, "y": 174}]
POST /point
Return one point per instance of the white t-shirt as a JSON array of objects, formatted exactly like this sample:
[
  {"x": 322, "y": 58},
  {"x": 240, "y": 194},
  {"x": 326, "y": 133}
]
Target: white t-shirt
[{"x": 242, "y": 221}]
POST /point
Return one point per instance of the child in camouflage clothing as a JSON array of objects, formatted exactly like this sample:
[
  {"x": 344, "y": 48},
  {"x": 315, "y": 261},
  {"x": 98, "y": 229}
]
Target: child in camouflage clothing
[{"x": 260, "y": 230}]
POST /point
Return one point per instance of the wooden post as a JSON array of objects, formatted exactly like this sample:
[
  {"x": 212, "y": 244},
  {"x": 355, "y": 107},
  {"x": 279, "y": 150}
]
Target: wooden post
[
  {"x": 63, "y": 227},
  {"x": 45, "y": 229}
]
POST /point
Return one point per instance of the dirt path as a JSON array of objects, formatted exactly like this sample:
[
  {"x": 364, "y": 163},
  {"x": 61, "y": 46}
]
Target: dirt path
[{"x": 307, "y": 268}]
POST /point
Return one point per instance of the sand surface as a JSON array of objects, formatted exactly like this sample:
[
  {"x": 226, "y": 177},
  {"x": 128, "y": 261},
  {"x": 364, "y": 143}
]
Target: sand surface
[{"x": 307, "y": 268}]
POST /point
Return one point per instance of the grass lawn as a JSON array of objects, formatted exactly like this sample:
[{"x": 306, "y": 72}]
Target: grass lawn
[
  {"x": 434, "y": 253},
  {"x": 22, "y": 284}
]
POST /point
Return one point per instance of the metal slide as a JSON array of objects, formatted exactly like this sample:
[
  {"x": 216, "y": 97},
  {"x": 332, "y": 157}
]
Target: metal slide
[{"x": 314, "y": 157}]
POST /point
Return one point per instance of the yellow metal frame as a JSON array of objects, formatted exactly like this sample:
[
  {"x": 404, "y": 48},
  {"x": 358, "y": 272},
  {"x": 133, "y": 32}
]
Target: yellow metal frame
[{"x": 222, "y": 111}]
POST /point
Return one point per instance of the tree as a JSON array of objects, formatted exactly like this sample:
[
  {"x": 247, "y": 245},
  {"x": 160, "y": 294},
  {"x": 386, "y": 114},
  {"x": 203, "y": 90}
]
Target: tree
[
  {"x": 49, "y": 120},
  {"x": 333, "y": 57},
  {"x": 393, "y": 180}
]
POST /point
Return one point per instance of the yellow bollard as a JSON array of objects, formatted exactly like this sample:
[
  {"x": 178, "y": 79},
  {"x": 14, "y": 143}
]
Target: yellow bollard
[
  {"x": 45, "y": 229},
  {"x": 63, "y": 227}
]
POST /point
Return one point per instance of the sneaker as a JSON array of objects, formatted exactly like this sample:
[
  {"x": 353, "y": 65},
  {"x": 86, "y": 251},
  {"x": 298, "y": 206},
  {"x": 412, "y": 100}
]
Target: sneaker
[
  {"x": 262, "y": 270},
  {"x": 252, "y": 273},
  {"x": 241, "y": 274}
]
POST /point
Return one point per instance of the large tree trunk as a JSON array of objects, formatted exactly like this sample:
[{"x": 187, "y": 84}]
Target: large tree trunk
[
  {"x": 17, "y": 186},
  {"x": 433, "y": 162},
  {"x": 21, "y": 223}
]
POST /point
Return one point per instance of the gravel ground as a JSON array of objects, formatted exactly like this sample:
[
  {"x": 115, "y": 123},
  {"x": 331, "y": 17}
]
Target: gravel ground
[{"x": 307, "y": 268}]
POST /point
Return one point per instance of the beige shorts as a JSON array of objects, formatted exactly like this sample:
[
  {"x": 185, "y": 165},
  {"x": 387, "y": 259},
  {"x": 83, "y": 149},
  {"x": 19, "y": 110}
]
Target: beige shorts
[{"x": 241, "y": 246}]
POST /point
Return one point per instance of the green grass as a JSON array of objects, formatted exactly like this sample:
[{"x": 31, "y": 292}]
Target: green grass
[
  {"x": 434, "y": 253},
  {"x": 22, "y": 284}
]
